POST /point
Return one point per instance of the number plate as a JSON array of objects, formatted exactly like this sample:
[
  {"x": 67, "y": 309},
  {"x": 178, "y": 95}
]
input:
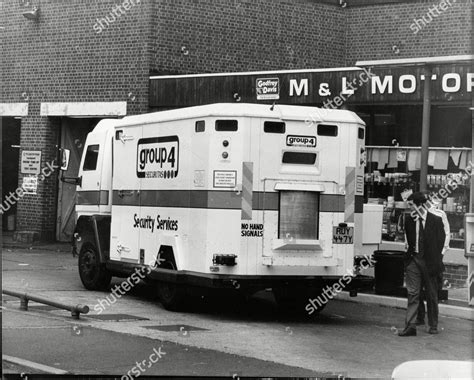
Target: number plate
[{"x": 343, "y": 235}]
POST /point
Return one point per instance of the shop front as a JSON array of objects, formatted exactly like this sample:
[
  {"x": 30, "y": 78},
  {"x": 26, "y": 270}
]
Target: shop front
[{"x": 418, "y": 116}]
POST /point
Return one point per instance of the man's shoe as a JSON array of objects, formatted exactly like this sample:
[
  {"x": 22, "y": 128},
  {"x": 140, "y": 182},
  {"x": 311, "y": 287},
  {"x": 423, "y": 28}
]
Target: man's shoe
[
  {"x": 409, "y": 331},
  {"x": 420, "y": 322},
  {"x": 433, "y": 330}
]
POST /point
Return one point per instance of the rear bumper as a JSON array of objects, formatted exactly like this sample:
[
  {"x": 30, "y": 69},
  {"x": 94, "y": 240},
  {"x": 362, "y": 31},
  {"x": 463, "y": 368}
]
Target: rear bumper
[{"x": 228, "y": 281}]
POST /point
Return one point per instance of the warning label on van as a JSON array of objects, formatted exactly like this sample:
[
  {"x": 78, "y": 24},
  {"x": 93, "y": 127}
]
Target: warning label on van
[
  {"x": 158, "y": 157},
  {"x": 252, "y": 229},
  {"x": 306, "y": 141}
]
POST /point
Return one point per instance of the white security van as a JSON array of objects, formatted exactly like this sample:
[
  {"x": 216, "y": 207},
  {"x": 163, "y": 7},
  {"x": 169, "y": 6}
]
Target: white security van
[{"x": 232, "y": 196}]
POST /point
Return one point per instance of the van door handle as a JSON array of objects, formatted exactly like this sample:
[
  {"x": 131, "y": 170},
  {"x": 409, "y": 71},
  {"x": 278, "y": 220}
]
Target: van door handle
[{"x": 121, "y": 248}]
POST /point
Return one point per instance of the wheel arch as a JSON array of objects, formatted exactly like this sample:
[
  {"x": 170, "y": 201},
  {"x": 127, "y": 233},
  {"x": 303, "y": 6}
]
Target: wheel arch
[{"x": 95, "y": 229}]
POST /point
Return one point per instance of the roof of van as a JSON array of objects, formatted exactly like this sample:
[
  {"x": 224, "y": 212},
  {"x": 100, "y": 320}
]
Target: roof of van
[{"x": 278, "y": 111}]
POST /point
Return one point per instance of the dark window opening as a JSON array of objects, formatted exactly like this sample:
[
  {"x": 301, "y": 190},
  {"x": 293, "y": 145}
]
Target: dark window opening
[
  {"x": 226, "y": 125},
  {"x": 361, "y": 133},
  {"x": 92, "y": 153},
  {"x": 200, "y": 126},
  {"x": 327, "y": 130},
  {"x": 273, "y": 127},
  {"x": 300, "y": 158}
]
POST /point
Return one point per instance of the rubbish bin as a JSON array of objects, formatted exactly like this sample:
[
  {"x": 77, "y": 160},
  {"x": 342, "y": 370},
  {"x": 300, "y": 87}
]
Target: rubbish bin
[{"x": 389, "y": 272}]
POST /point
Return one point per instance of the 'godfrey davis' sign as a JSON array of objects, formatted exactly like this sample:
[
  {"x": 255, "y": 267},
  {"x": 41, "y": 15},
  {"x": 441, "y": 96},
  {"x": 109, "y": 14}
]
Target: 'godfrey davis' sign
[
  {"x": 452, "y": 82},
  {"x": 267, "y": 88}
]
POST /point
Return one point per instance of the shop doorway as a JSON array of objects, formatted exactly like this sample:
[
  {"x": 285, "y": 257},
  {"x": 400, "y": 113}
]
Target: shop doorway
[
  {"x": 73, "y": 137},
  {"x": 10, "y": 166}
]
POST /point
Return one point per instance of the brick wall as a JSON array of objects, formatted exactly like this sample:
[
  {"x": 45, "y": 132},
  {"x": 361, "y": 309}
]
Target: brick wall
[
  {"x": 373, "y": 31},
  {"x": 73, "y": 53},
  {"x": 247, "y": 35},
  {"x": 456, "y": 275}
]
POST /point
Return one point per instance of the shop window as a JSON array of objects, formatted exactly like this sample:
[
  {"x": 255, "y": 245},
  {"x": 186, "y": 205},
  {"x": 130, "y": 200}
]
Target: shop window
[
  {"x": 327, "y": 130},
  {"x": 299, "y": 158},
  {"x": 90, "y": 162},
  {"x": 274, "y": 127},
  {"x": 200, "y": 126},
  {"x": 298, "y": 215},
  {"x": 226, "y": 125}
]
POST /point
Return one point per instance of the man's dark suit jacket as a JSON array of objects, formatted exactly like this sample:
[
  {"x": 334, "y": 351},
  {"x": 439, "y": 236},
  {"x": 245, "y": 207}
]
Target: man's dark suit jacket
[{"x": 433, "y": 242}]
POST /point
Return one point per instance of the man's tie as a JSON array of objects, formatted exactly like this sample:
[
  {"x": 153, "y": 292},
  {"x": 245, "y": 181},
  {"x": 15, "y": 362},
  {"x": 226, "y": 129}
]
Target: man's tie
[{"x": 421, "y": 238}]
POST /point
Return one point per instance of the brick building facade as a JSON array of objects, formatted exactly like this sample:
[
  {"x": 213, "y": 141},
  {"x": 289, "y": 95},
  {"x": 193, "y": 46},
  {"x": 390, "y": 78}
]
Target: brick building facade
[{"x": 86, "y": 51}]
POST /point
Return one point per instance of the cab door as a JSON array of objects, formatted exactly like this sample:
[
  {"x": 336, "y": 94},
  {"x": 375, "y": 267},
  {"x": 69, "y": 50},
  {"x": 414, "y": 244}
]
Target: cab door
[{"x": 125, "y": 230}]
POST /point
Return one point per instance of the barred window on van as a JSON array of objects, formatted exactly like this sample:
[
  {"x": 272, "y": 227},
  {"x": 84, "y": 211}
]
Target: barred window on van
[
  {"x": 299, "y": 158},
  {"x": 298, "y": 215},
  {"x": 226, "y": 125}
]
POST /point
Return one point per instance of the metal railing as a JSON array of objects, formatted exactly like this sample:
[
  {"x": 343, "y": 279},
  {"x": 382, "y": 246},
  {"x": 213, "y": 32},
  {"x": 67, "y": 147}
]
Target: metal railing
[{"x": 25, "y": 298}]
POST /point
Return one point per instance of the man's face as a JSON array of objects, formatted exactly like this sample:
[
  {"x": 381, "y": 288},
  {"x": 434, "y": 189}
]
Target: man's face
[{"x": 412, "y": 206}]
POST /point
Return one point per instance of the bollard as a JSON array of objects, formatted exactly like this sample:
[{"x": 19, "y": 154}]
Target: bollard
[
  {"x": 24, "y": 303},
  {"x": 25, "y": 298}
]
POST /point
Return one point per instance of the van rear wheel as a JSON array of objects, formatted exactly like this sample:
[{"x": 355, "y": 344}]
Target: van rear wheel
[
  {"x": 93, "y": 273},
  {"x": 171, "y": 295},
  {"x": 296, "y": 301}
]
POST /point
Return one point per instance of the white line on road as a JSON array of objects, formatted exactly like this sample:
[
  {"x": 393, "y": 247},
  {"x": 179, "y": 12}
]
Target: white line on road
[{"x": 37, "y": 366}]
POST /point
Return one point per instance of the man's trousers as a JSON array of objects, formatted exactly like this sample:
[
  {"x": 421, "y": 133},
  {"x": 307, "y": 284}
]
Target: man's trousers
[{"x": 416, "y": 276}]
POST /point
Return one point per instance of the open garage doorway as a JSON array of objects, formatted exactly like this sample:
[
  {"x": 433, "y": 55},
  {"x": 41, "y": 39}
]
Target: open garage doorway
[{"x": 73, "y": 137}]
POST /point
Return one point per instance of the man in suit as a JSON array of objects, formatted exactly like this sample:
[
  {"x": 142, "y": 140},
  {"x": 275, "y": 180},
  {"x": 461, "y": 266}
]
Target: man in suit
[
  {"x": 434, "y": 206},
  {"x": 423, "y": 262}
]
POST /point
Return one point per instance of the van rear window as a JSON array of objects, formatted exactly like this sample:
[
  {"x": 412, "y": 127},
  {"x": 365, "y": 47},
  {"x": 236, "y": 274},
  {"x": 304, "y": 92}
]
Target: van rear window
[
  {"x": 327, "y": 130},
  {"x": 226, "y": 125},
  {"x": 273, "y": 127},
  {"x": 90, "y": 161},
  {"x": 300, "y": 158}
]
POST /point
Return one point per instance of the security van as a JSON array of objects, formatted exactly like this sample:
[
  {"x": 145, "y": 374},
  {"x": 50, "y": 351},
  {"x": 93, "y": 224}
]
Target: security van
[{"x": 229, "y": 196}]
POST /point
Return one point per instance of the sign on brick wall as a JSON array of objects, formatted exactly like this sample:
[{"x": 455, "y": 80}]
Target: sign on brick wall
[{"x": 30, "y": 161}]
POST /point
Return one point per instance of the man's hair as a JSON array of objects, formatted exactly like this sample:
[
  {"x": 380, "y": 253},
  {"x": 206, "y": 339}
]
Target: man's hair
[{"x": 417, "y": 198}]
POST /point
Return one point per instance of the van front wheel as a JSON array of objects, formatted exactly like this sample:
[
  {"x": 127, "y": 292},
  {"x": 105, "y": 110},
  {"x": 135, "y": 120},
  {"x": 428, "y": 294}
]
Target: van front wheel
[{"x": 93, "y": 274}]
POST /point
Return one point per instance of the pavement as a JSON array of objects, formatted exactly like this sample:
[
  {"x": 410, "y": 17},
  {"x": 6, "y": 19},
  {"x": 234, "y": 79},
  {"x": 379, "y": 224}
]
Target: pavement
[
  {"x": 456, "y": 305},
  {"x": 224, "y": 338}
]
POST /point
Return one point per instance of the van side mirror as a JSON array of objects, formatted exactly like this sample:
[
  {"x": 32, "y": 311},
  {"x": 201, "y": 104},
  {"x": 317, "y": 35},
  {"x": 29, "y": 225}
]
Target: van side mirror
[{"x": 64, "y": 158}]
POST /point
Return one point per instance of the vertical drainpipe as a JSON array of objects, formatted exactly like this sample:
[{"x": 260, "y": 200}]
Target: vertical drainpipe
[{"x": 425, "y": 132}]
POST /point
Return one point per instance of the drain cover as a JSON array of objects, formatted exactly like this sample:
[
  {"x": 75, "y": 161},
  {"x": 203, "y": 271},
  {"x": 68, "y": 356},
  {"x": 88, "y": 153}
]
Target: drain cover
[
  {"x": 116, "y": 317},
  {"x": 175, "y": 328}
]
